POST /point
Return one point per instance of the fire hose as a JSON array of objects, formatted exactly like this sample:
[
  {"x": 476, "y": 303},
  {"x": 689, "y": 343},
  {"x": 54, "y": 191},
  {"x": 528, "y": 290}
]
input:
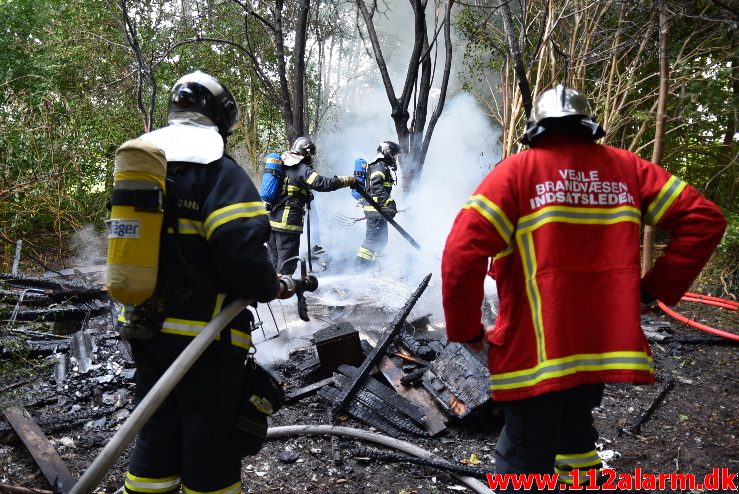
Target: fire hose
[
  {"x": 389, "y": 218},
  {"x": 706, "y": 300},
  {"x": 390, "y": 442},
  {"x": 163, "y": 387}
]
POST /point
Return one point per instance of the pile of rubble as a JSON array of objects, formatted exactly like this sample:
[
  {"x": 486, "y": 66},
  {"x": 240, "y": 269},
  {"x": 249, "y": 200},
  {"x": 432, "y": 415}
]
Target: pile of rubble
[{"x": 397, "y": 377}]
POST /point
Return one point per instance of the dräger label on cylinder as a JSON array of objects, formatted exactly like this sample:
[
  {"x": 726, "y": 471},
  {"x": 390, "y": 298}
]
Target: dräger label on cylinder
[{"x": 123, "y": 228}]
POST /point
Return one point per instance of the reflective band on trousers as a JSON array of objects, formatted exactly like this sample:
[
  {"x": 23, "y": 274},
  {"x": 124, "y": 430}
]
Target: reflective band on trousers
[
  {"x": 185, "y": 327},
  {"x": 566, "y": 462},
  {"x": 550, "y": 369},
  {"x": 231, "y": 489},
  {"x": 365, "y": 253},
  {"x": 141, "y": 484}
]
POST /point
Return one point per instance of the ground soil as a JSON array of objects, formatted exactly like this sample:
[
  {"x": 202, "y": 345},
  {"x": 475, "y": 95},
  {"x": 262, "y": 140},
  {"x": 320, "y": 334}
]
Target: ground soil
[{"x": 694, "y": 429}]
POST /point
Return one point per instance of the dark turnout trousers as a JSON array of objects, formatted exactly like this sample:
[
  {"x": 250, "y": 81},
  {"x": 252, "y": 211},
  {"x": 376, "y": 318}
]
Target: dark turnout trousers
[
  {"x": 550, "y": 433},
  {"x": 282, "y": 246},
  {"x": 188, "y": 440},
  {"x": 375, "y": 240}
]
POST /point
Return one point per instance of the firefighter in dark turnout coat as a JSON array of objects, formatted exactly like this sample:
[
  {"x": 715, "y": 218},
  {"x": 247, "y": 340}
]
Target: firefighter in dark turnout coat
[
  {"x": 288, "y": 214},
  {"x": 561, "y": 222},
  {"x": 212, "y": 253},
  {"x": 379, "y": 186}
]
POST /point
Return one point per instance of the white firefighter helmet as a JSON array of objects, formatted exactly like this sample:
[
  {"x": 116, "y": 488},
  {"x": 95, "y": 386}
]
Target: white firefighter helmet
[{"x": 561, "y": 108}]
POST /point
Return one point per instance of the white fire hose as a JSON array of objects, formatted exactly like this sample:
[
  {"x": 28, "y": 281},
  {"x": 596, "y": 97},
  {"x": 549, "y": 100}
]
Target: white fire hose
[{"x": 390, "y": 442}]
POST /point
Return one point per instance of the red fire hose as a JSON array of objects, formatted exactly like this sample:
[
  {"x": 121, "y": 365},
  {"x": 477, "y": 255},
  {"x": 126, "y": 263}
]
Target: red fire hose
[
  {"x": 708, "y": 300},
  {"x": 732, "y": 303}
]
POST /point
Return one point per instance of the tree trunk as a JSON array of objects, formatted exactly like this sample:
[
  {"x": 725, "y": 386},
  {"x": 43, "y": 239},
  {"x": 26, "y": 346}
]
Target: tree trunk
[
  {"x": 515, "y": 50},
  {"x": 659, "y": 133}
]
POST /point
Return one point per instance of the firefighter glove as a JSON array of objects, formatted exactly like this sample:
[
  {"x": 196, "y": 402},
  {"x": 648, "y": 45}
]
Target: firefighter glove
[{"x": 349, "y": 181}]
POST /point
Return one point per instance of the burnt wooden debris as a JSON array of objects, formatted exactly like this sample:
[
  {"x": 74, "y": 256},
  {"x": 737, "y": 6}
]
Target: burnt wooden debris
[
  {"x": 346, "y": 394},
  {"x": 458, "y": 380},
  {"x": 337, "y": 344},
  {"x": 370, "y": 410},
  {"x": 311, "y": 389},
  {"x": 644, "y": 416},
  {"x": 27, "y": 298},
  {"x": 43, "y": 453},
  {"x": 435, "y": 420}
]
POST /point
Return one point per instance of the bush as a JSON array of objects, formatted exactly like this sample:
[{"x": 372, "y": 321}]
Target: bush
[{"x": 723, "y": 268}]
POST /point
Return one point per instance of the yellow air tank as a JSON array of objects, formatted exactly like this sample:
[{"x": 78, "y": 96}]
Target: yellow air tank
[{"x": 135, "y": 224}]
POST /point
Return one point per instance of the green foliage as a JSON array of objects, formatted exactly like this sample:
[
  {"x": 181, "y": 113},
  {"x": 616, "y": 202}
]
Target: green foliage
[{"x": 724, "y": 265}]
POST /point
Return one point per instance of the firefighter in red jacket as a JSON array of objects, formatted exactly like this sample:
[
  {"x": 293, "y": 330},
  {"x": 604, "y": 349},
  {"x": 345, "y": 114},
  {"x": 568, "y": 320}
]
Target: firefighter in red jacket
[{"x": 561, "y": 223}]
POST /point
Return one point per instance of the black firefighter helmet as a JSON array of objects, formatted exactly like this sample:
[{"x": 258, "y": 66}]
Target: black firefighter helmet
[{"x": 203, "y": 94}]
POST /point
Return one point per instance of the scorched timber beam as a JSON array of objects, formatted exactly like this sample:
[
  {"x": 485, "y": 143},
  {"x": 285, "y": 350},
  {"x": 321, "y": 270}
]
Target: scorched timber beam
[
  {"x": 349, "y": 391},
  {"x": 44, "y": 454}
]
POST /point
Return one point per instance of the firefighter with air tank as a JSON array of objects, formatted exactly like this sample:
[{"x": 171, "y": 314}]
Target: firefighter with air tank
[
  {"x": 379, "y": 181},
  {"x": 287, "y": 213}
]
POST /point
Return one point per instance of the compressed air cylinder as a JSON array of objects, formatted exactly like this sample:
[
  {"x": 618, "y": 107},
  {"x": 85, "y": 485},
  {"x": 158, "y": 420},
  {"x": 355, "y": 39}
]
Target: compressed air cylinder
[{"x": 135, "y": 224}]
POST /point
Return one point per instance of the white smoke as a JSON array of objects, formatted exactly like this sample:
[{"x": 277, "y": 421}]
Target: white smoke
[
  {"x": 463, "y": 148},
  {"x": 89, "y": 246}
]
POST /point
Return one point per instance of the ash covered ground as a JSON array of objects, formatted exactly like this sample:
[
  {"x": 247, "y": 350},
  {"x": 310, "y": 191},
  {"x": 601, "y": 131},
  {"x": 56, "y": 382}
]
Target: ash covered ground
[{"x": 79, "y": 401}]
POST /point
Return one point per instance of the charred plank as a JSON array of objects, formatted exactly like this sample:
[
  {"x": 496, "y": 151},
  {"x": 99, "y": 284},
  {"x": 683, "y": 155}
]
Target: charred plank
[
  {"x": 387, "y": 411},
  {"x": 458, "y": 380},
  {"x": 299, "y": 394},
  {"x": 388, "y": 395},
  {"x": 43, "y": 453},
  {"x": 359, "y": 410},
  {"x": 348, "y": 393}
]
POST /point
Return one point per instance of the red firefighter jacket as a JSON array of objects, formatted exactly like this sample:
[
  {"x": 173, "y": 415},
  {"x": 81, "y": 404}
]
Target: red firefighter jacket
[{"x": 561, "y": 222}]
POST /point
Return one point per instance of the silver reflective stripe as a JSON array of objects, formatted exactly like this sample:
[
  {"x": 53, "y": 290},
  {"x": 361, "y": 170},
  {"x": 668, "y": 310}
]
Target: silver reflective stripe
[
  {"x": 171, "y": 326},
  {"x": 580, "y": 215},
  {"x": 152, "y": 486},
  {"x": 568, "y": 462},
  {"x": 596, "y": 362},
  {"x": 240, "y": 339},
  {"x": 527, "y": 244},
  {"x": 500, "y": 220},
  {"x": 667, "y": 195}
]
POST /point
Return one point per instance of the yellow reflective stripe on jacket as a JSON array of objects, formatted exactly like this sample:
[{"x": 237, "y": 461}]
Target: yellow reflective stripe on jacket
[
  {"x": 240, "y": 339},
  {"x": 667, "y": 195},
  {"x": 507, "y": 251},
  {"x": 583, "y": 216},
  {"x": 525, "y": 242},
  {"x": 311, "y": 178},
  {"x": 566, "y": 462},
  {"x": 186, "y": 226},
  {"x": 294, "y": 189},
  {"x": 374, "y": 174},
  {"x": 183, "y": 327},
  {"x": 232, "y": 212},
  {"x": 186, "y": 327},
  {"x": 142, "y": 484},
  {"x": 218, "y": 305},
  {"x": 231, "y": 489},
  {"x": 283, "y": 224},
  {"x": 554, "y": 368},
  {"x": 491, "y": 212}
]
